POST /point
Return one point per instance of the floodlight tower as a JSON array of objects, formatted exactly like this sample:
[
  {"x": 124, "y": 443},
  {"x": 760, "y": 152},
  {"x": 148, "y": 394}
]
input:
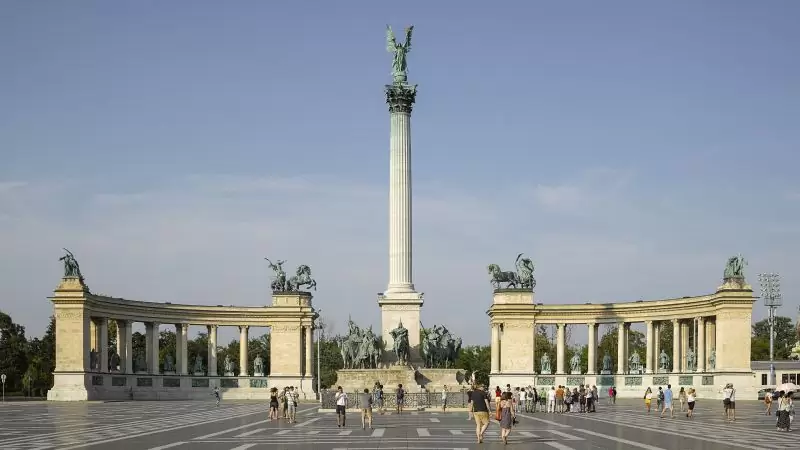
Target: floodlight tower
[{"x": 771, "y": 293}]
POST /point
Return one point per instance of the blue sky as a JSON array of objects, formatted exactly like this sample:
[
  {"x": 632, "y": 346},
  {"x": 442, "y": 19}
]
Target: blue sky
[{"x": 628, "y": 148}]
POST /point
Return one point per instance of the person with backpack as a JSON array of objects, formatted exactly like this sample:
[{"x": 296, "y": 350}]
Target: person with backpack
[
  {"x": 378, "y": 394},
  {"x": 401, "y": 398}
]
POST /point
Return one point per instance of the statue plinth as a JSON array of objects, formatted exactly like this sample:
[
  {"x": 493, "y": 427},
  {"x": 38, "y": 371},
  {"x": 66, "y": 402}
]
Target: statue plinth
[
  {"x": 397, "y": 308},
  {"x": 605, "y": 372},
  {"x": 545, "y": 372},
  {"x": 258, "y": 374},
  {"x": 229, "y": 374},
  {"x": 575, "y": 372},
  {"x": 169, "y": 373},
  {"x": 734, "y": 284},
  {"x": 199, "y": 374}
]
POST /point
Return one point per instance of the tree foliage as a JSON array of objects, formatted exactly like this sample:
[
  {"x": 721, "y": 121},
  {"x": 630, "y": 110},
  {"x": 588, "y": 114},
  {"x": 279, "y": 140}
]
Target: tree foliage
[{"x": 784, "y": 339}]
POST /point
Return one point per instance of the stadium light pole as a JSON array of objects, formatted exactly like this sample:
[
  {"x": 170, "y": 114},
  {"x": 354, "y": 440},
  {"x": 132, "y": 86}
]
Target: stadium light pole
[{"x": 771, "y": 293}]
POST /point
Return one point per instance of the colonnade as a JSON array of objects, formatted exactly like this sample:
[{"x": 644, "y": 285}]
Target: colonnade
[
  {"x": 699, "y": 331},
  {"x": 98, "y": 343}
]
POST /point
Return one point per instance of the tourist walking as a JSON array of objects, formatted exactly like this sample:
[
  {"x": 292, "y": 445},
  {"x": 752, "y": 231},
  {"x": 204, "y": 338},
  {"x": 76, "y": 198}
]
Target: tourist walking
[
  {"x": 659, "y": 399},
  {"x": 469, "y": 402},
  {"x": 523, "y": 400},
  {"x": 784, "y": 406},
  {"x": 366, "y": 409},
  {"x": 341, "y": 407},
  {"x": 691, "y": 397},
  {"x": 533, "y": 399},
  {"x": 682, "y": 398},
  {"x": 497, "y": 394},
  {"x": 648, "y": 397},
  {"x": 273, "y": 404},
  {"x": 729, "y": 402},
  {"x": 768, "y": 403},
  {"x": 378, "y": 394},
  {"x": 444, "y": 399},
  {"x": 401, "y": 398},
  {"x": 479, "y": 404},
  {"x": 507, "y": 416},
  {"x": 291, "y": 402},
  {"x": 551, "y": 400},
  {"x": 668, "y": 402},
  {"x": 215, "y": 393},
  {"x": 595, "y": 398}
]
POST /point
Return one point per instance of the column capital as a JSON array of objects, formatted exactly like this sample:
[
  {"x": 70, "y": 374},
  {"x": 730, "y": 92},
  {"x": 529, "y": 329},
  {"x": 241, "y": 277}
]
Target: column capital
[
  {"x": 675, "y": 321},
  {"x": 401, "y": 97},
  {"x": 212, "y": 327},
  {"x": 561, "y": 325},
  {"x": 649, "y": 322},
  {"x": 591, "y": 324},
  {"x": 243, "y": 327},
  {"x": 700, "y": 319}
]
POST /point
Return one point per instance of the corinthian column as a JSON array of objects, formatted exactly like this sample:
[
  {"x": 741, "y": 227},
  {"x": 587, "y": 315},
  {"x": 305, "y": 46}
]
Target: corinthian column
[
  {"x": 560, "y": 348},
  {"x": 212, "y": 350},
  {"x": 592, "y": 363},
  {"x": 649, "y": 357},
  {"x": 400, "y": 98},
  {"x": 676, "y": 345},
  {"x": 701, "y": 344},
  {"x": 621, "y": 349}
]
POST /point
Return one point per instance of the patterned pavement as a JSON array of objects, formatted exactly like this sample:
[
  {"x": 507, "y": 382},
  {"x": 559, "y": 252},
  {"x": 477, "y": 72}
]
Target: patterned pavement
[{"x": 244, "y": 425}]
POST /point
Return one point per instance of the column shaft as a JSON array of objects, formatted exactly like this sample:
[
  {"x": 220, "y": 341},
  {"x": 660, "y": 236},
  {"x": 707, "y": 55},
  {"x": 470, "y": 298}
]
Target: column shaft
[
  {"x": 560, "y": 348},
  {"x": 121, "y": 345},
  {"x": 128, "y": 347},
  {"x": 243, "y": 357},
  {"x": 103, "y": 338},
  {"x": 309, "y": 351},
  {"x": 621, "y": 349},
  {"x": 184, "y": 366},
  {"x": 592, "y": 357},
  {"x": 153, "y": 364},
  {"x": 148, "y": 347},
  {"x": 684, "y": 345},
  {"x": 400, "y": 248},
  {"x": 495, "y": 348},
  {"x": 212, "y": 350},
  {"x": 178, "y": 349},
  {"x": 676, "y": 345},
  {"x": 649, "y": 356},
  {"x": 701, "y": 344},
  {"x": 656, "y": 346}
]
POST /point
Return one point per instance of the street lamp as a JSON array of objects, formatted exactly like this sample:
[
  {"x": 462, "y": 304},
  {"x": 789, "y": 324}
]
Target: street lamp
[
  {"x": 319, "y": 341},
  {"x": 771, "y": 293}
]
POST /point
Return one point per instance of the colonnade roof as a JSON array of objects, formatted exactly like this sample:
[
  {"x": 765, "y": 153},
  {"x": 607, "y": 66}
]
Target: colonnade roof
[
  {"x": 514, "y": 305},
  {"x": 287, "y": 308}
]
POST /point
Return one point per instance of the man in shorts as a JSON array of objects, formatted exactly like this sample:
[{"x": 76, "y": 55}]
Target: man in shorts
[
  {"x": 291, "y": 404},
  {"x": 479, "y": 404},
  {"x": 365, "y": 400},
  {"x": 341, "y": 406}
]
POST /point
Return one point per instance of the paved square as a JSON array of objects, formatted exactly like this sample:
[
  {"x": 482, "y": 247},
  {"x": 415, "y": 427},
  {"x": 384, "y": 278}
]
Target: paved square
[{"x": 244, "y": 425}]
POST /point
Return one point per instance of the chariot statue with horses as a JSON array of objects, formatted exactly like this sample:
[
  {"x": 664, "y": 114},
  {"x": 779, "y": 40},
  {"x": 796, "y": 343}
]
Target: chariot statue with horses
[
  {"x": 521, "y": 279},
  {"x": 300, "y": 281}
]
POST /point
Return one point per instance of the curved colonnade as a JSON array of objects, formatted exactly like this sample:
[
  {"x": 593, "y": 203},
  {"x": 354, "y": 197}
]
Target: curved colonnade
[
  {"x": 82, "y": 369},
  {"x": 720, "y": 323}
]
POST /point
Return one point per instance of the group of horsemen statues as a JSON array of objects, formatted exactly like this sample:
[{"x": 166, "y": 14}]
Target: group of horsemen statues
[{"x": 363, "y": 349}]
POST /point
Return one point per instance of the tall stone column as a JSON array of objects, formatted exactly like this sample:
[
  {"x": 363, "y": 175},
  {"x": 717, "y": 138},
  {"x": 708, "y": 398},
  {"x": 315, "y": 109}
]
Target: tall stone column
[
  {"x": 184, "y": 359},
  {"x": 495, "y": 348},
  {"x": 684, "y": 345},
  {"x": 621, "y": 340},
  {"x": 121, "y": 345},
  {"x": 102, "y": 331},
  {"x": 243, "y": 358},
  {"x": 128, "y": 347},
  {"x": 676, "y": 345},
  {"x": 701, "y": 344},
  {"x": 649, "y": 356},
  {"x": 560, "y": 348},
  {"x": 148, "y": 346},
  {"x": 400, "y": 303},
  {"x": 592, "y": 356},
  {"x": 309, "y": 351},
  {"x": 178, "y": 349},
  {"x": 656, "y": 346},
  {"x": 94, "y": 338},
  {"x": 212, "y": 350},
  {"x": 153, "y": 364},
  {"x": 711, "y": 344}
]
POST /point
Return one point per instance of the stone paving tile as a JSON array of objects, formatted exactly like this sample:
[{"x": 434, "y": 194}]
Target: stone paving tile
[{"x": 244, "y": 425}]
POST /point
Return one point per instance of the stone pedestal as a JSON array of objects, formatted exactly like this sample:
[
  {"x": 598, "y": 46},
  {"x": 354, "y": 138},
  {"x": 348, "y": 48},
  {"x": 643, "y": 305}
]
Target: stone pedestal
[
  {"x": 575, "y": 372},
  {"x": 545, "y": 372},
  {"x": 352, "y": 380},
  {"x": 229, "y": 374},
  {"x": 199, "y": 374},
  {"x": 169, "y": 373},
  {"x": 605, "y": 372},
  {"x": 396, "y": 309},
  {"x": 258, "y": 374}
]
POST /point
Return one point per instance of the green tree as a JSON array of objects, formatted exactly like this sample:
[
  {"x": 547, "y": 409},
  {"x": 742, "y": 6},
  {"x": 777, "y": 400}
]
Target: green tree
[
  {"x": 198, "y": 347},
  {"x": 544, "y": 343},
  {"x": 13, "y": 352},
  {"x": 138, "y": 342},
  {"x": 330, "y": 360},
  {"x": 167, "y": 345},
  {"x": 477, "y": 360},
  {"x": 784, "y": 339},
  {"x": 608, "y": 345}
]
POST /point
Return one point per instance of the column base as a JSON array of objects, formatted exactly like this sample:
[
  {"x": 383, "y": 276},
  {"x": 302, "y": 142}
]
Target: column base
[{"x": 397, "y": 308}]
